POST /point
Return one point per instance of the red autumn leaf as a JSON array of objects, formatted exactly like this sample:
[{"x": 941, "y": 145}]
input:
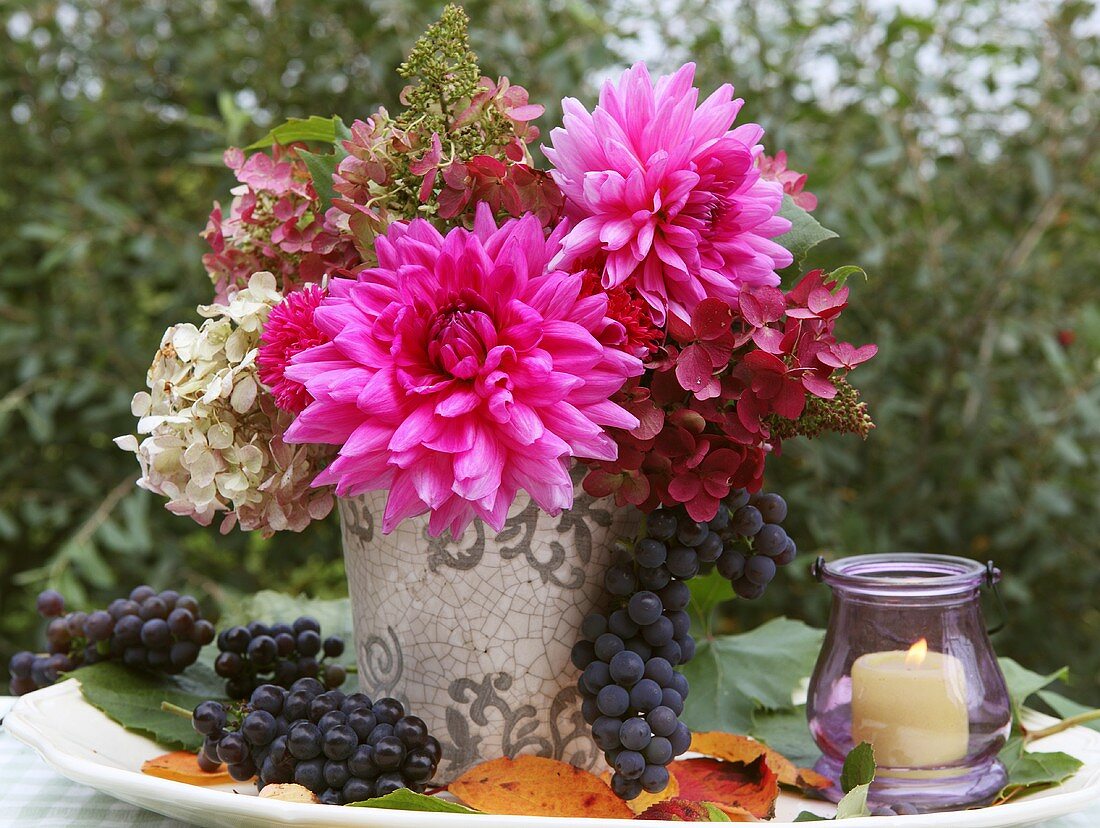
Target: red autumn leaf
[{"x": 752, "y": 786}]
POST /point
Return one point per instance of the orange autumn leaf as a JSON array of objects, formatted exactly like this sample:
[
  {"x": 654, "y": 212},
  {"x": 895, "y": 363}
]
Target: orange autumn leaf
[
  {"x": 183, "y": 766},
  {"x": 645, "y": 799},
  {"x": 735, "y": 748},
  {"x": 534, "y": 786},
  {"x": 752, "y": 785}
]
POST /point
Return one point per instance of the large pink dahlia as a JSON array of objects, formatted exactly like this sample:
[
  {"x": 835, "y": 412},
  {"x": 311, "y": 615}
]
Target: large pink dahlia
[
  {"x": 460, "y": 371},
  {"x": 666, "y": 193}
]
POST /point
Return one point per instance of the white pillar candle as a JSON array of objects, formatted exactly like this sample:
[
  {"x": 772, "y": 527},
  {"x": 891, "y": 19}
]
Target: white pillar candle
[{"x": 910, "y": 705}]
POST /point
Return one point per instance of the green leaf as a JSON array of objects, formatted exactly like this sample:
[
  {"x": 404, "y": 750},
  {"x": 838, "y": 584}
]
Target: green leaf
[
  {"x": 859, "y": 767},
  {"x": 405, "y": 800},
  {"x": 1023, "y": 683},
  {"x": 806, "y": 231},
  {"x": 1031, "y": 771},
  {"x": 707, "y": 593},
  {"x": 787, "y": 732},
  {"x": 715, "y": 813},
  {"x": 1067, "y": 707},
  {"x": 270, "y": 607},
  {"x": 132, "y": 698},
  {"x": 313, "y": 128},
  {"x": 807, "y": 816},
  {"x": 841, "y": 275},
  {"x": 321, "y": 168},
  {"x": 854, "y": 803},
  {"x": 732, "y": 676}
]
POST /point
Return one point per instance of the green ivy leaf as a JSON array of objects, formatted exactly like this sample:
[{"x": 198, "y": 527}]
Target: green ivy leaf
[
  {"x": 313, "y": 128},
  {"x": 806, "y": 232},
  {"x": 1031, "y": 771},
  {"x": 859, "y": 767},
  {"x": 321, "y": 168},
  {"x": 716, "y": 814},
  {"x": 707, "y": 593},
  {"x": 271, "y": 607},
  {"x": 854, "y": 803},
  {"x": 841, "y": 275},
  {"x": 808, "y": 816},
  {"x": 732, "y": 676},
  {"x": 1066, "y": 708},
  {"x": 1023, "y": 683},
  {"x": 405, "y": 800},
  {"x": 787, "y": 732},
  {"x": 132, "y": 698}
]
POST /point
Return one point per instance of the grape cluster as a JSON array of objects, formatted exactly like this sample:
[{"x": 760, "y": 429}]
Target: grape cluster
[
  {"x": 344, "y": 748},
  {"x": 633, "y": 694},
  {"x": 156, "y": 631},
  {"x": 279, "y": 654}
]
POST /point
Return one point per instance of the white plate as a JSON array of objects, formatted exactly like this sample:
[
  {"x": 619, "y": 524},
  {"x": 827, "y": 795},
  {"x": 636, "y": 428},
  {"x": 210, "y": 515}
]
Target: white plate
[{"x": 82, "y": 744}]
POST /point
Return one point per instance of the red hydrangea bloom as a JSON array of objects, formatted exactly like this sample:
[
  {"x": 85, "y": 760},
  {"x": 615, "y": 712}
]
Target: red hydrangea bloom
[
  {"x": 775, "y": 169},
  {"x": 275, "y": 224},
  {"x": 290, "y": 328},
  {"x": 461, "y": 370}
]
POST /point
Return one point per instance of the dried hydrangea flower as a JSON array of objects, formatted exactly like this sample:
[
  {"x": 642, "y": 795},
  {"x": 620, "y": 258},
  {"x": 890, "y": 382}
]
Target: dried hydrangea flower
[{"x": 213, "y": 434}]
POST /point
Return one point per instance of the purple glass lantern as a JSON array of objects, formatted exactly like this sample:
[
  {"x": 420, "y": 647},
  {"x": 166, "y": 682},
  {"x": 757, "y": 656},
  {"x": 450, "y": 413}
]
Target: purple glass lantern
[{"x": 907, "y": 666}]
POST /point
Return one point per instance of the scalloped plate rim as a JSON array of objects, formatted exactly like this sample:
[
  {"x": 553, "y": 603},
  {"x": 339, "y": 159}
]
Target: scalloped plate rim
[{"x": 38, "y": 719}]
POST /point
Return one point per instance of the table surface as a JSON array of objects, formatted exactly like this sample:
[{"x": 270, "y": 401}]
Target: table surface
[{"x": 32, "y": 794}]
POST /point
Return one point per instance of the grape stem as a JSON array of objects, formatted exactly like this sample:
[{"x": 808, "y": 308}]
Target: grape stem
[
  {"x": 1065, "y": 724},
  {"x": 175, "y": 710}
]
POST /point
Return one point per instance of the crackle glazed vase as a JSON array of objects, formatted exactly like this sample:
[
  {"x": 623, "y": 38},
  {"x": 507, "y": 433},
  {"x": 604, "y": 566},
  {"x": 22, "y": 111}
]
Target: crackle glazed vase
[{"x": 474, "y": 635}]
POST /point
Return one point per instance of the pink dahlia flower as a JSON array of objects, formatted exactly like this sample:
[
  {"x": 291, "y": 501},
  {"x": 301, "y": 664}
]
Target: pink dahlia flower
[
  {"x": 289, "y": 329},
  {"x": 460, "y": 371},
  {"x": 666, "y": 193}
]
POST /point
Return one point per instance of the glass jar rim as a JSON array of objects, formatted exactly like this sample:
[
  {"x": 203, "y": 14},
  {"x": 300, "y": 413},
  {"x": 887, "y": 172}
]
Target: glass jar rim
[{"x": 912, "y": 573}]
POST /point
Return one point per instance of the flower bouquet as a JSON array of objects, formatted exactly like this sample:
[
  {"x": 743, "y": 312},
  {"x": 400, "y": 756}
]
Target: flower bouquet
[{"x": 496, "y": 371}]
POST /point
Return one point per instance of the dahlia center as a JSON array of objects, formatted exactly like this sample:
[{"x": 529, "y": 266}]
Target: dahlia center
[{"x": 460, "y": 336}]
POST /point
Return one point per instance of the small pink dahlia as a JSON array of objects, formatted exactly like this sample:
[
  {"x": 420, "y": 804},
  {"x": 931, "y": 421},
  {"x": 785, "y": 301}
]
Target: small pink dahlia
[
  {"x": 290, "y": 328},
  {"x": 460, "y": 371},
  {"x": 667, "y": 192}
]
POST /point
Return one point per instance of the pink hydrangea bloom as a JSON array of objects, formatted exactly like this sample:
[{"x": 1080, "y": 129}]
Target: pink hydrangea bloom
[
  {"x": 460, "y": 371},
  {"x": 289, "y": 329},
  {"x": 666, "y": 193}
]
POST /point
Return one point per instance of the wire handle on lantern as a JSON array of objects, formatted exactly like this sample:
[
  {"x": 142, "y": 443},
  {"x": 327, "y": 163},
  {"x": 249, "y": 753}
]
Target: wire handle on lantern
[{"x": 992, "y": 577}]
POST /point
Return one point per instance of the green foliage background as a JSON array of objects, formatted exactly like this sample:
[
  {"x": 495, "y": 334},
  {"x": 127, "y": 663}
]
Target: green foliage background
[{"x": 955, "y": 152}]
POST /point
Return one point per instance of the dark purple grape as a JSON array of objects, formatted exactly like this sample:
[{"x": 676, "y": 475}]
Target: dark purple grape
[
  {"x": 747, "y": 521},
  {"x": 654, "y": 778},
  {"x": 650, "y": 552},
  {"x": 388, "y": 710},
  {"x": 644, "y": 607},
  {"x": 99, "y": 625},
  {"x": 594, "y": 626},
  {"x": 153, "y": 608},
  {"x": 258, "y": 728},
  {"x": 772, "y": 507},
  {"x": 621, "y": 624},
  {"x": 333, "y": 647},
  {"x": 629, "y": 763},
  {"x": 659, "y": 670},
  {"x": 208, "y": 717},
  {"x": 140, "y": 593},
  {"x": 50, "y": 604},
  {"x": 334, "y": 675},
  {"x": 339, "y": 742},
  {"x": 658, "y": 751},
  {"x": 605, "y": 648},
  {"x": 20, "y": 665}
]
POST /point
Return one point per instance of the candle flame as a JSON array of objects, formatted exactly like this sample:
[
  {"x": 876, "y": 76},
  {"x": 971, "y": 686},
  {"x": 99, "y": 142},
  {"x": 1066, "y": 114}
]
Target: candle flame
[{"x": 917, "y": 653}]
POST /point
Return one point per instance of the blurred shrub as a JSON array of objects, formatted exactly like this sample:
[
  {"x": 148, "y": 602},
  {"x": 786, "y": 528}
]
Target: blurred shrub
[{"x": 955, "y": 152}]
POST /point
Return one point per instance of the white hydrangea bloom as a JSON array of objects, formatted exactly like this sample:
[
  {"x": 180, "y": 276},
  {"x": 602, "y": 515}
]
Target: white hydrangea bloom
[{"x": 212, "y": 433}]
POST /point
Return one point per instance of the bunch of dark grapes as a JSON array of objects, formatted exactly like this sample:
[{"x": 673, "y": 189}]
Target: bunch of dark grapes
[
  {"x": 344, "y": 748},
  {"x": 156, "y": 631},
  {"x": 633, "y": 694},
  {"x": 277, "y": 654}
]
